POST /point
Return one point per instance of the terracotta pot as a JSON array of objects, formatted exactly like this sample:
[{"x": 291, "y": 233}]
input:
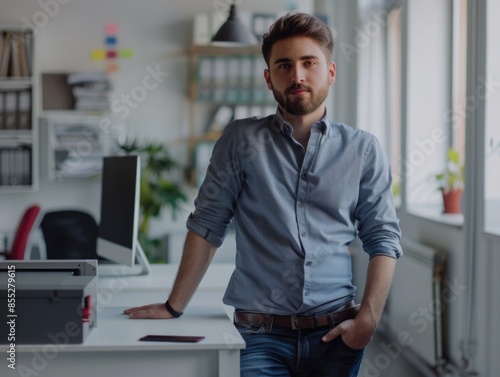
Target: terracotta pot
[{"x": 452, "y": 201}]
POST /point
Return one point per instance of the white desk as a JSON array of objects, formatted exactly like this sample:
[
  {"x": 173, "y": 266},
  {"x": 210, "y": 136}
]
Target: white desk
[
  {"x": 141, "y": 290},
  {"x": 113, "y": 348},
  {"x": 162, "y": 279}
]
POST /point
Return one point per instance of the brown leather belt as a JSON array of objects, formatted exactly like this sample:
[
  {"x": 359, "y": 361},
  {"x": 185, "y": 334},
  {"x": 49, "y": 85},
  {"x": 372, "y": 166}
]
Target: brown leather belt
[{"x": 297, "y": 322}]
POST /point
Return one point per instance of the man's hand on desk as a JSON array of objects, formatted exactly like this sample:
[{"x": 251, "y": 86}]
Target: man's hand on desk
[{"x": 153, "y": 311}]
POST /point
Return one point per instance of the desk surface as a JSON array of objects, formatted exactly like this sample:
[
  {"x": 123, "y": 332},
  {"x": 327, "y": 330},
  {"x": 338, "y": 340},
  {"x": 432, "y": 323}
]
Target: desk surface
[
  {"x": 142, "y": 290},
  {"x": 162, "y": 278},
  {"x": 116, "y": 332},
  {"x": 114, "y": 345}
]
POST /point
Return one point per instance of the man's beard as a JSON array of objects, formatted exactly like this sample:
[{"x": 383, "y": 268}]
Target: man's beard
[{"x": 301, "y": 105}]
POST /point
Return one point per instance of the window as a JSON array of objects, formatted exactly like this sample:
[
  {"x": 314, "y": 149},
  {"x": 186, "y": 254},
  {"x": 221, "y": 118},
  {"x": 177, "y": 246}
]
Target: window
[
  {"x": 435, "y": 98},
  {"x": 423, "y": 73},
  {"x": 378, "y": 45},
  {"x": 394, "y": 55},
  {"x": 491, "y": 94}
]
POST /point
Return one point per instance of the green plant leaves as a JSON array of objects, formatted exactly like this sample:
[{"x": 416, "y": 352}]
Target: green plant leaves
[{"x": 453, "y": 177}]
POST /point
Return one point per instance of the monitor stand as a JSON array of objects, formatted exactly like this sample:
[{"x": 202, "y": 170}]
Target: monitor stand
[{"x": 140, "y": 267}]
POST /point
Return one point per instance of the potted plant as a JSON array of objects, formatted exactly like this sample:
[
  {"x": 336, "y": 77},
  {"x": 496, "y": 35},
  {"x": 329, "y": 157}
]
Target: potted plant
[
  {"x": 157, "y": 190},
  {"x": 451, "y": 183}
]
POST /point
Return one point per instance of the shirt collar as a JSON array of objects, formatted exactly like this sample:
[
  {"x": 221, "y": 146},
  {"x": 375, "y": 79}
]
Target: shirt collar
[{"x": 285, "y": 127}]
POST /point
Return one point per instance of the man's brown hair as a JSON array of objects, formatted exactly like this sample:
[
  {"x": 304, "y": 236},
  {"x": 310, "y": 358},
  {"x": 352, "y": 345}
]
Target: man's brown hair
[{"x": 296, "y": 24}]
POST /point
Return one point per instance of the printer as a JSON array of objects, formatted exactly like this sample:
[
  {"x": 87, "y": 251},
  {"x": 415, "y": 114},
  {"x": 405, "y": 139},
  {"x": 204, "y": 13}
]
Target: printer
[{"x": 48, "y": 301}]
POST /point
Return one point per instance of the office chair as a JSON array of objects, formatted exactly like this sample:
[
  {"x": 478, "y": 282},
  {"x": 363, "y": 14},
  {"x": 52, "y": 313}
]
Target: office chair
[
  {"x": 69, "y": 234},
  {"x": 23, "y": 231}
]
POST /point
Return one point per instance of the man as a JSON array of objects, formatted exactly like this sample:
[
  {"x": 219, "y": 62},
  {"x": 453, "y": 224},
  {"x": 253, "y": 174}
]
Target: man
[{"x": 299, "y": 189}]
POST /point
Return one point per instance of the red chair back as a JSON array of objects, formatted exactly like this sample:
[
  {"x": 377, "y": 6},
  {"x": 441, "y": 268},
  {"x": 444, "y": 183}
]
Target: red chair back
[{"x": 22, "y": 233}]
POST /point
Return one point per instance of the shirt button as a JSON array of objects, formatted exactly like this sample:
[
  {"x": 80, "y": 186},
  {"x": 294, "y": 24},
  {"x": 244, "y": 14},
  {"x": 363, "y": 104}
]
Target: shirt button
[
  {"x": 301, "y": 204},
  {"x": 303, "y": 234},
  {"x": 304, "y": 175},
  {"x": 308, "y": 263},
  {"x": 306, "y": 294}
]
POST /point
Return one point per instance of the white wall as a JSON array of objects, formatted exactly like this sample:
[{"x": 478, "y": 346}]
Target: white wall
[{"x": 158, "y": 32}]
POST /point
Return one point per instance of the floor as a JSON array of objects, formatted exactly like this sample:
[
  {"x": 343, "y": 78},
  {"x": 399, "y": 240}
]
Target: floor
[{"x": 384, "y": 358}]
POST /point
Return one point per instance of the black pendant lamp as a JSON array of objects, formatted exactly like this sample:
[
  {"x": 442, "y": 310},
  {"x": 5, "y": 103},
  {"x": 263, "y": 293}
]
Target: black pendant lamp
[{"x": 233, "y": 32}]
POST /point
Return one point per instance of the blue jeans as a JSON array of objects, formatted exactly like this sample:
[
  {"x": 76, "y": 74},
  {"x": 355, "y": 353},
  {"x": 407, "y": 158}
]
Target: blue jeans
[{"x": 285, "y": 352}]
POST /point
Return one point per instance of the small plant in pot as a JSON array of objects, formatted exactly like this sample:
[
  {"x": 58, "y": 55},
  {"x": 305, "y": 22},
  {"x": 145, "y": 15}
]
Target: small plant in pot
[{"x": 451, "y": 183}]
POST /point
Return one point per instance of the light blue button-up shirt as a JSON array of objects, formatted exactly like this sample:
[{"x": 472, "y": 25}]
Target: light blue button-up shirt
[{"x": 296, "y": 211}]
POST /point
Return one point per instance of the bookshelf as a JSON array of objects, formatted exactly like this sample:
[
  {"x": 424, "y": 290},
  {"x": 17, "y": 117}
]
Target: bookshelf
[
  {"x": 76, "y": 126},
  {"x": 228, "y": 75},
  {"x": 75, "y": 142},
  {"x": 18, "y": 131},
  {"x": 227, "y": 82}
]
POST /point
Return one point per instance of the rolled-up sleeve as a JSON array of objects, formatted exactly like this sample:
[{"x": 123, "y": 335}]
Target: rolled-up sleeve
[
  {"x": 214, "y": 205},
  {"x": 378, "y": 225}
]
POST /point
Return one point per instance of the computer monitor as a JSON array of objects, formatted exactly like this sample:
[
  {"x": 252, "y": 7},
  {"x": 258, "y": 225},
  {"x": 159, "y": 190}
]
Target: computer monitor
[{"x": 119, "y": 217}]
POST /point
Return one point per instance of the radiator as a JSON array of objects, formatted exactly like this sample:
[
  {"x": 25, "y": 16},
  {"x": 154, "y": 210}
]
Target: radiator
[{"x": 415, "y": 304}]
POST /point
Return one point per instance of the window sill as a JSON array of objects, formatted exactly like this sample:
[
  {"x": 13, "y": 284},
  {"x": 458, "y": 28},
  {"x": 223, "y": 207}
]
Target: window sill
[
  {"x": 433, "y": 213},
  {"x": 492, "y": 210}
]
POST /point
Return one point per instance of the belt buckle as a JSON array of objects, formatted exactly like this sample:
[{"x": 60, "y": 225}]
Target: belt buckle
[{"x": 294, "y": 322}]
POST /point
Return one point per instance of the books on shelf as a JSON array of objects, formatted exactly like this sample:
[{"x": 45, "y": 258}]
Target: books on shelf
[
  {"x": 15, "y": 53},
  {"x": 15, "y": 108},
  {"x": 77, "y": 142},
  {"x": 15, "y": 80},
  {"x": 56, "y": 92},
  {"x": 91, "y": 91},
  {"x": 232, "y": 80},
  {"x": 85, "y": 91},
  {"x": 219, "y": 80},
  {"x": 97, "y": 78},
  {"x": 15, "y": 163},
  {"x": 71, "y": 135},
  {"x": 204, "y": 78},
  {"x": 233, "y": 87},
  {"x": 74, "y": 165}
]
